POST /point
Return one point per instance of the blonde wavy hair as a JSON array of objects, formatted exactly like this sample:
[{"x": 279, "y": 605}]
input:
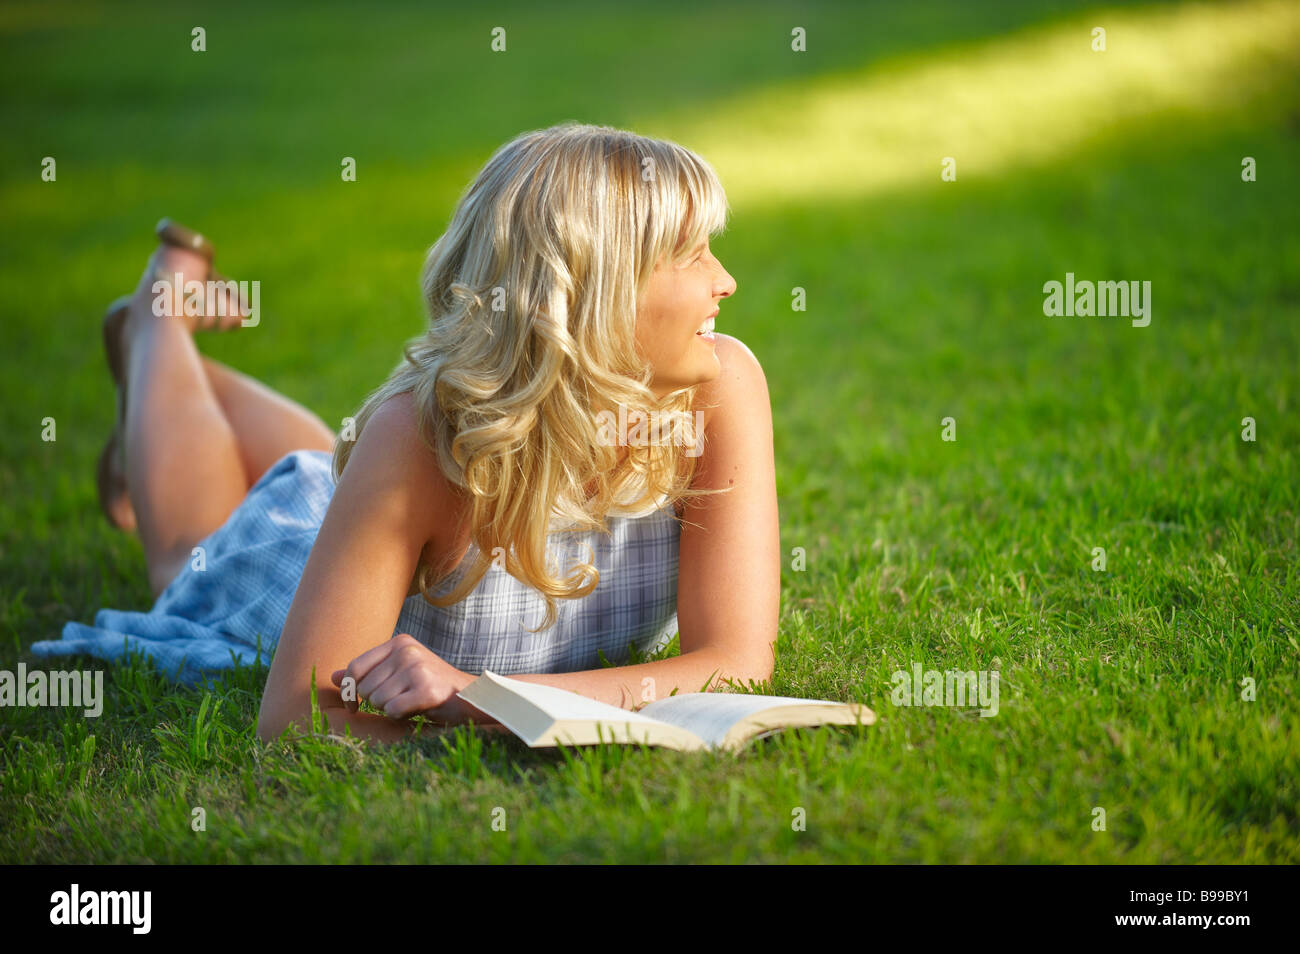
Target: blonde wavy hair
[{"x": 532, "y": 295}]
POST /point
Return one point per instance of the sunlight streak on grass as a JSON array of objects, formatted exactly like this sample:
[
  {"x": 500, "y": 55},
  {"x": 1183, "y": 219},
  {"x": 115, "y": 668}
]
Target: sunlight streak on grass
[{"x": 1011, "y": 102}]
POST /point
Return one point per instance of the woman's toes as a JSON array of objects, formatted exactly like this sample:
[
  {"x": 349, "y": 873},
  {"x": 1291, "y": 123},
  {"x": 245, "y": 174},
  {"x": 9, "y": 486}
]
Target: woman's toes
[
  {"x": 181, "y": 284},
  {"x": 225, "y": 310}
]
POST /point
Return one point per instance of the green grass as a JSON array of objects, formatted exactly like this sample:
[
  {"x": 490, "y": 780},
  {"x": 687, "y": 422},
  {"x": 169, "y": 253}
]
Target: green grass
[{"x": 1120, "y": 689}]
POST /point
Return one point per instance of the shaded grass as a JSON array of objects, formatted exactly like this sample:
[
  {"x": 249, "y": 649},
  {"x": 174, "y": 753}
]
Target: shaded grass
[{"x": 1120, "y": 689}]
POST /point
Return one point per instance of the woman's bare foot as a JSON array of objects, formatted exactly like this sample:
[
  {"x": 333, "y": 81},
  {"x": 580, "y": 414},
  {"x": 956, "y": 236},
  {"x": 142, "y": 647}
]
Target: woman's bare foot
[
  {"x": 169, "y": 287},
  {"x": 163, "y": 296}
]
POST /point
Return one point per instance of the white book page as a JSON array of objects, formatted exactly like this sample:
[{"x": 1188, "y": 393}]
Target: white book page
[
  {"x": 561, "y": 705},
  {"x": 710, "y": 715}
]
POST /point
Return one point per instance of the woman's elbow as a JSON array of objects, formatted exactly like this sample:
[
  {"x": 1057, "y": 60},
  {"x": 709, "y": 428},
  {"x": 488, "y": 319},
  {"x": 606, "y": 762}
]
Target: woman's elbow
[
  {"x": 277, "y": 716},
  {"x": 271, "y": 725}
]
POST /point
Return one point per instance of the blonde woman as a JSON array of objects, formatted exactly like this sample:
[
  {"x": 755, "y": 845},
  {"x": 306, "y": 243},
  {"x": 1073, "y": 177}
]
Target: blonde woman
[{"x": 499, "y": 502}]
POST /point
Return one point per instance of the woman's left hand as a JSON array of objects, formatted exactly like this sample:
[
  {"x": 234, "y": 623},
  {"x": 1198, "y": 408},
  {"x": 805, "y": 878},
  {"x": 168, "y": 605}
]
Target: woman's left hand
[{"x": 403, "y": 677}]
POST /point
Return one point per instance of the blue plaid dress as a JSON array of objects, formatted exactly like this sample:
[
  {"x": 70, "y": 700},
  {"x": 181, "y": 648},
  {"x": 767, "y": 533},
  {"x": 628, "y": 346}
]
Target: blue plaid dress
[{"x": 216, "y": 610}]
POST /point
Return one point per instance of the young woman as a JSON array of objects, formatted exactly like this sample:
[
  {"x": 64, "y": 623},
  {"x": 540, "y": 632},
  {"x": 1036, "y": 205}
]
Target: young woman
[{"x": 499, "y": 502}]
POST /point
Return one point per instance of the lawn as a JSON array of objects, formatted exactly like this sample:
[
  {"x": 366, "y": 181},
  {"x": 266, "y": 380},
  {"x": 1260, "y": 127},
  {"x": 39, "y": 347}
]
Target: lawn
[{"x": 1161, "y": 689}]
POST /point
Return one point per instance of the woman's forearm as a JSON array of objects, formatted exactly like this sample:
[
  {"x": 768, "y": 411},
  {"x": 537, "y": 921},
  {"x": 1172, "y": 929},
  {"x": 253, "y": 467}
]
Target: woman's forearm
[
  {"x": 340, "y": 720},
  {"x": 368, "y": 725}
]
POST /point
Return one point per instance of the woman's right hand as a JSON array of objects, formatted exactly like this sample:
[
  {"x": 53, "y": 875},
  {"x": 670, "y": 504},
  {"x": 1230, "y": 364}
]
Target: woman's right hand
[{"x": 403, "y": 677}]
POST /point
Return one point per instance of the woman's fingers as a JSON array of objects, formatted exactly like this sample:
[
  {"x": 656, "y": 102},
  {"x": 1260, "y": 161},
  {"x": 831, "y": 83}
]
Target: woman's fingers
[
  {"x": 376, "y": 677},
  {"x": 408, "y": 691},
  {"x": 415, "y": 702},
  {"x": 390, "y": 689},
  {"x": 367, "y": 661},
  {"x": 361, "y": 667},
  {"x": 393, "y": 667}
]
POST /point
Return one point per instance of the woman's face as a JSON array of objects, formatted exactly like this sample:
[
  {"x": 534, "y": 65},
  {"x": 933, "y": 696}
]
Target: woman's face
[{"x": 679, "y": 301}]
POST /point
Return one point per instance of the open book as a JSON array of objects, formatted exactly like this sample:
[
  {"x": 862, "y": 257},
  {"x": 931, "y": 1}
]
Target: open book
[{"x": 546, "y": 716}]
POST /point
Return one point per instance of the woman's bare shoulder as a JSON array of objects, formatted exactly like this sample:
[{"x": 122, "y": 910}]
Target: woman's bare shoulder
[
  {"x": 740, "y": 387},
  {"x": 394, "y": 453}
]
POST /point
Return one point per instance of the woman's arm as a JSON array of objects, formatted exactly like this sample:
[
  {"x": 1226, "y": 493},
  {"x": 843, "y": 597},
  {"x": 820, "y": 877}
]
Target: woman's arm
[
  {"x": 729, "y": 559},
  {"x": 391, "y": 500}
]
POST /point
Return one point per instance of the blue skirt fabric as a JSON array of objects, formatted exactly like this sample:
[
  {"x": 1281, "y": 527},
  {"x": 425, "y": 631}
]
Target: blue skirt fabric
[
  {"x": 235, "y": 591},
  {"x": 230, "y": 601}
]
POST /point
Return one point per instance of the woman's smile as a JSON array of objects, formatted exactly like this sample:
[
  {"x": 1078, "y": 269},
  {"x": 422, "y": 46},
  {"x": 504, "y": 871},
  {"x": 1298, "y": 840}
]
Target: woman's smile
[{"x": 706, "y": 329}]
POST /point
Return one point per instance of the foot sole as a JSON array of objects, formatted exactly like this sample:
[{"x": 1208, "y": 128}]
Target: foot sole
[{"x": 110, "y": 470}]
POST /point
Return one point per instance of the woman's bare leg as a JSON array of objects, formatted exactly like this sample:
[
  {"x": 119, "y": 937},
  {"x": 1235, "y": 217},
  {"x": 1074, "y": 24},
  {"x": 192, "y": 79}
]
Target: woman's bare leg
[
  {"x": 193, "y": 415},
  {"x": 267, "y": 425},
  {"x": 184, "y": 473}
]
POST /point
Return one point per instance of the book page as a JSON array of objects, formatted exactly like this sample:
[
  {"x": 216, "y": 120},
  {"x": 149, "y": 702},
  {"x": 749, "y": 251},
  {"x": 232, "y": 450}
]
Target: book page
[
  {"x": 710, "y": 715},
  {"x": 560, "y": 705}
]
